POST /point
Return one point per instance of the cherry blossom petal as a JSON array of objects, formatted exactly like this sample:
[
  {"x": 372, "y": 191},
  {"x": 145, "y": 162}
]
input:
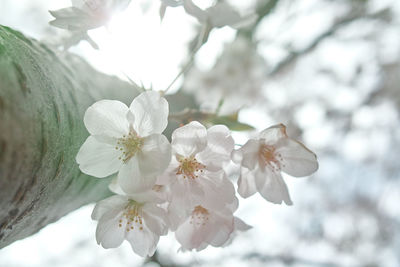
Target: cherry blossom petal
[
  {"x": 240, "y": 225},
  {"x": 193, "y": 196},
  {"x": 108, "y": 232},
  {"x": 155, "y": 155},
  {"x": 143, "y": 242},
  {"x": 115, "y": 187},
  {"x": 150, "y": 112},
  {"x": 246, "y": 183},
  {"x": 97, "y": 158},
  {"x": 271, "y": 186},
  {"x": 249, "y": 152},
  {"x": 225, "y": 228},
  {"x": 218, "y": 190},
  {"x": 190, "y": 139},
  {"x": 273, "y": 134},
  {"x": 200, "y": 230},
  {"x": 189, "y": 235},
  {"x": 102, "y": 207},
  {"x": 107, "y": 118},
  {"x": 155, "y": 219},
  {"x": 296, "y": 160},
  {"x": 169, "y": 176},
  {"x": 219, "y": 148},
  {"x": 131, "y": 179}
]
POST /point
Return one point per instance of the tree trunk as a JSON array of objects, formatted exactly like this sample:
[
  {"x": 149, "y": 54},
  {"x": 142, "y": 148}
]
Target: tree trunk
[{"x": 43, "y": 96}]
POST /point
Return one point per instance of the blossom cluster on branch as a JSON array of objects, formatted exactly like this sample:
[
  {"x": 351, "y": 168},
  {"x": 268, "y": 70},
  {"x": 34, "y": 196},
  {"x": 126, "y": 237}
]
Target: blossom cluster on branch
[
  {"x": 182, "y": 185},
  {"x": 85, "y": 15}
]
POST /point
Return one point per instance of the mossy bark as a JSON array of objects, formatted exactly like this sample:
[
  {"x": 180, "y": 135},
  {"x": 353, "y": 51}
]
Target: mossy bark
[{"x": 43, "y": 96}]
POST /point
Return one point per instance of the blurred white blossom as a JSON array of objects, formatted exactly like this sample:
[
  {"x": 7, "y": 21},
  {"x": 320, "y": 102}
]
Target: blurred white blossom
[
  {"x": 237, "y": 79},
  {"x": 85, "y": 15}
]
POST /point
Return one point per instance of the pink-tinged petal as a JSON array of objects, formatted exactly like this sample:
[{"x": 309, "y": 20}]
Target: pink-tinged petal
[
  {"x": 237, "y": 156},
  {"x": 108, "y": 232},
  {"x": 190, "y": 235},
  {"x": 296, "y": 159},
  {"x": 273, "y": 134},
  {"x": 225, "y": 227},
  {"x": 246, "y": 183},
  {"x": 193, "y": 194},
  {"x": 131, "y": 179},
  {"x": 271, "y": 186},
  {"x": 97, "y": 158},
  {"x": 143, "y": 242},
  {"x": 219, "y": 148},
  {"x": 107, "y": 118},
  {"x": 176, "y": 216},
  {"x": 190, "y": 139},
  {"x": 111, "y": 203},
  {"x": 169, "y": 176},
  {"x": 219, "y": 190},
  {"x": 154, "y": 156},
  {"x": 250, "y": 153},
  {"x": 150, "y": 112},
  {"x": 155, "y": 219},
  {"x": 233, "y": 206}
]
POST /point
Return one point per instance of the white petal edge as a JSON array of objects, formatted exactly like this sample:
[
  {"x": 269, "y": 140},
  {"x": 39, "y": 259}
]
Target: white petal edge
[
  {"x": 297, "y": 160},
  {"x": 246, "y": 183},
  {"x": 272, "y": 187},
  {"x": 155, "y": 155},
  {"x": 97, "y": 158},
  {"x": 150, "y": 112},
  {"x": 219, "y": 148},
  {"x": 107, "y": 118},
  {"x": 273, "y": 134},
  {"x": 131, "y": 180},
  {"x": 189, "y": 139}
]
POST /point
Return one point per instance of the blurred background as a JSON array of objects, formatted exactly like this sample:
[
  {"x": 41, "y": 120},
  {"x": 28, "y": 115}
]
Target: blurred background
[{"x": 329, "y": 70}]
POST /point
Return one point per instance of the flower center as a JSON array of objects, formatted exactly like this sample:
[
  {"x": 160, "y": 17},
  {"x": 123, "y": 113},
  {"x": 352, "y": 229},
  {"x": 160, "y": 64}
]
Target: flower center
[
  {"x": 199, "y": 216},
  {"x": 133, "y": 216},
  {"x": 269, "y": 157},
  {"x": 189, "y": 167},
  {"x": 129, "y": 145}
]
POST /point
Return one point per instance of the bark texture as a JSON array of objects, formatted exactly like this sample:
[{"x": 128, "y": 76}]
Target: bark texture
[{"x": 43, "y": 96}]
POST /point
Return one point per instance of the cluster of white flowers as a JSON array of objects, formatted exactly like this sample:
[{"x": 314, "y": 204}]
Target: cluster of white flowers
[
  {"x": 86, "y": 15},
  {"x": 216, "y": 16},
  {"x": 182, "y": 185}
]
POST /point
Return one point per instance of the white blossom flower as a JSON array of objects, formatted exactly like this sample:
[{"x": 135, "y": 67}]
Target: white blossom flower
[
  {"x": 127, "y": 141},
  {"x": 219, "y": 15},
  {"x": 237, "y": 78},
  {"x": 263, "y": 159},
  {"x": 87, "y": 14},
  {"x": 209, "y": 226},
  {"x": 133, "y": 218},
  {"x": 195, "y": 174}
]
